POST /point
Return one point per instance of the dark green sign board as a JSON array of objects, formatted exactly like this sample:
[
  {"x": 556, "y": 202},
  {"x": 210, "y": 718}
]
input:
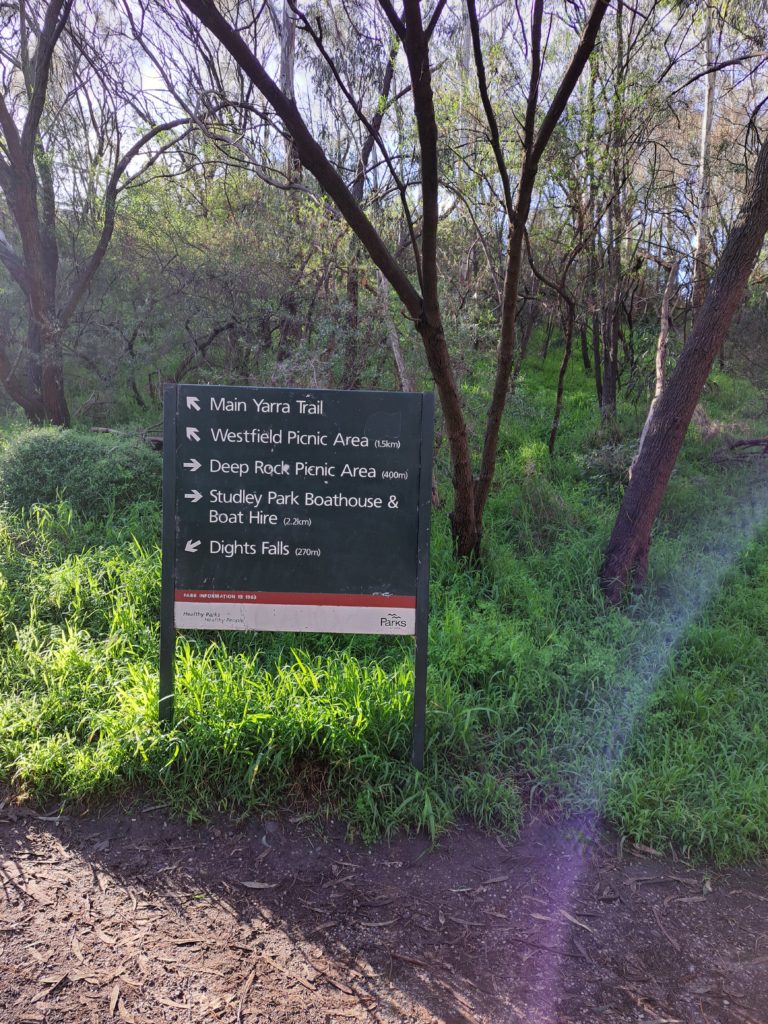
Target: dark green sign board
[{"x": 287, "y": 509}]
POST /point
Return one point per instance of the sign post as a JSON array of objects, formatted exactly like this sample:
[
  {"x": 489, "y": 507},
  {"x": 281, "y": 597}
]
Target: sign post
[{"x": 296, "y": 510}]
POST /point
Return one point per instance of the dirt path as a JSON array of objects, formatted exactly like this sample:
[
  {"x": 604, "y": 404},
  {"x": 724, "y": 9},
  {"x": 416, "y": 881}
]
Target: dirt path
[{"x": 138, "y": 918}]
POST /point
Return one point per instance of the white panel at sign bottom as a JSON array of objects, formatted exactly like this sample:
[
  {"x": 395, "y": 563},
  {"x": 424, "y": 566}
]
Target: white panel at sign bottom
[{"x": 302, "y": 618}]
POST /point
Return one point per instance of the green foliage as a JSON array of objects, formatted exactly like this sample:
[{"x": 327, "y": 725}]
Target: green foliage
[
  {"x": 696, "y": 771},
  {"x": 651, "y": 714},
  {"x": 98, "y": 474}
]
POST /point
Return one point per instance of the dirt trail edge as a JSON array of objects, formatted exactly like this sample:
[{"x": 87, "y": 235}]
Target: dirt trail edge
[{"x": 139, "y": 918}]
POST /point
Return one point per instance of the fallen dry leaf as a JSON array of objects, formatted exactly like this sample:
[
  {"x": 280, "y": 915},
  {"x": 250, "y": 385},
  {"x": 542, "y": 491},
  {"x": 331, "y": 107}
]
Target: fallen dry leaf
[
  {"x": 114, "y": 998},
  {"x": 123, "y": 1014},
  {"x": 171, "y": 1003},
  {"x": 109, "y": 940},
  {"x": 574, "y": 920}
]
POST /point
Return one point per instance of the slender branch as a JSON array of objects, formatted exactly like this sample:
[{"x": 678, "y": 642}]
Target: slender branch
[
  {"x": 570, "y": 78},
  {"x": 110, "y": 200},
  {"x": 493, "y": 125},
  {"x": 56, "y": 18},
  {"x": 395, "y": 21},
  {"x": 372, "y": 127},
  {"x": 432, "y": 25},
  {"x": 309, "y": 151}
]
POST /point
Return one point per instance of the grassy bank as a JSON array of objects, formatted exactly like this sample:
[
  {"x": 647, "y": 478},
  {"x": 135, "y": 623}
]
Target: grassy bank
[{"x": 651, "y": 714}]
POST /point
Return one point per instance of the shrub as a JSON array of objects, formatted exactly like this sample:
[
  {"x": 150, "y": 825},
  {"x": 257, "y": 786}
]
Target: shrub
[{"x": 95, "y": 473}]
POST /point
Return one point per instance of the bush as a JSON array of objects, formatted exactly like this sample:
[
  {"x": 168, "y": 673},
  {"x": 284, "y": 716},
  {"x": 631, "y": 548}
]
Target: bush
[{"x": 96, "y": 473}]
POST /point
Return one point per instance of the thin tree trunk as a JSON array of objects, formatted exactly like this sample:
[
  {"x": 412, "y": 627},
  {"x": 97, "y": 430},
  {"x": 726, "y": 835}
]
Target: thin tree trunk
[
  {"x": 610, "y": 332},
  {"x": 596, "y": 346},
  {"x": 661, "y": 360},
  {"x": 615, "y": 222},
  {"x": 585, "y": 347},
  {"x": 423, "y": 305},
  {"x": 626, "y": 557},
  {"x": 544, "y": 352},
  {"x": 568, "y": 326},
  {"x": 404, "y": 381},
  {"x": 290, "y": 324},
  {"x": 700, "y": 249},
  {"x": 351, "y": 372}
]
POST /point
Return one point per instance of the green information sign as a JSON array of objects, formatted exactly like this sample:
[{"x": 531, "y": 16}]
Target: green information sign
[{"x": 295, "y": 510}]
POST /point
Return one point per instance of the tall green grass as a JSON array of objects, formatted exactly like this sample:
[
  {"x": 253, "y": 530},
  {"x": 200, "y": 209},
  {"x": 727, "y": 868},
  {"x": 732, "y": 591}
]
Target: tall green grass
[{"x": 649, "y": 714}]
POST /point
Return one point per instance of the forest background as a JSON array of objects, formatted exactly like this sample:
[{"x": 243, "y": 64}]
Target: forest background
[{"x": 554, "y": 215}]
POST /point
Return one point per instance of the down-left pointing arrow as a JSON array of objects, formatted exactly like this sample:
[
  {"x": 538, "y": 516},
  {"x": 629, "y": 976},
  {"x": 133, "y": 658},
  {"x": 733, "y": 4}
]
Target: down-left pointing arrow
[{"x": 192, "y": 545}]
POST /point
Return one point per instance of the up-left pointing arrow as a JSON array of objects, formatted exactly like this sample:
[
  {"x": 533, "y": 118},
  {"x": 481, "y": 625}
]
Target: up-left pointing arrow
[
  {"x": 192, "y": 434},
  {"x": 193, "y": 403},
  {"x": 192, "y": 545}
]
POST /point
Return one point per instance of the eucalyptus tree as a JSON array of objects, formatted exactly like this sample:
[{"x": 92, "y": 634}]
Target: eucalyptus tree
[
  {"x": 626, "y": 557},
  {"x": 413, "y": 270},
  {"x": 72, "y": 135}
]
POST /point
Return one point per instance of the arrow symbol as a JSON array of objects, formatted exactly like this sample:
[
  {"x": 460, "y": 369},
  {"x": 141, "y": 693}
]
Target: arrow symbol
[
  {"x": 193, "y": 403},
  {"x": 192, "y": 545},
  {"x": 194, "y": 465},
  {"x": 194, "y": 496},
  {"x": 192, "y": 434}
]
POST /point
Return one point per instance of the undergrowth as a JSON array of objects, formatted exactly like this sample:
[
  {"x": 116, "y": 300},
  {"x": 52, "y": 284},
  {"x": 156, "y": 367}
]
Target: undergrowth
[{"x": 651, "y": 714}]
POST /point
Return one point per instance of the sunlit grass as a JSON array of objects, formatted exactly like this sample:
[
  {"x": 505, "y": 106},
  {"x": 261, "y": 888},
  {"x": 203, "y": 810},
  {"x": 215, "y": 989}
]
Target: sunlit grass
[{"x": 652, "y": 714}]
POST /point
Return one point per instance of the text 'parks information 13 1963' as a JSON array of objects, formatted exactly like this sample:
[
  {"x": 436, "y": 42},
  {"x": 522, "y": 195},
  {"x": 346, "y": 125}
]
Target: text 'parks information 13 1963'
[{"x": 296, "y": 510}]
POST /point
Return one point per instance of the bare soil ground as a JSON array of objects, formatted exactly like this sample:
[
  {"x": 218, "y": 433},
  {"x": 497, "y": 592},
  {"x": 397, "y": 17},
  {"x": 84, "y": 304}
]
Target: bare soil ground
[{"x": 136, "y": 917}]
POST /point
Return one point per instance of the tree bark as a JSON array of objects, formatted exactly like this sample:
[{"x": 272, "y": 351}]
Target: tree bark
[
  {"x": 705, "y": 175},
  {"x": 351, "y": 372},
  {"x": 423, "y": 304},
  {"x": 585, "y": 348},
  {"x": 661, "y": 360},
  {"x": 596, "y": 346},
  {"x": 568, "y": 325},
  {"x": 626, "y": 557},
  {"x": 404, "y": 381}
]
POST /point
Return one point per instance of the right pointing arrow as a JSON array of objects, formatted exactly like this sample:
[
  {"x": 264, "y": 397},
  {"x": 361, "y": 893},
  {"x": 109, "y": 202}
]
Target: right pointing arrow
[
  {"x": 194, "y": 496},
  {"x": 193, "y": 403},
  {"x": 192, "y": 545},
  {"x": 194, "y": 465}
]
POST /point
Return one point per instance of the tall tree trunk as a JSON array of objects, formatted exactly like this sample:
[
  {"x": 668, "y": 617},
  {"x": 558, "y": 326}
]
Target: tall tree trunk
[
  {"x": 465, "y": 57},
  {"x": 527, "y": 321},
  {"x": 423, "y": 305},
  {"x": 700, "y": 249},
  {"x": 661, "y": 359},
  {"x": 568, "y": 325},
  {"x": 585, "y": 347},
  {"x": 351, "y": 372},
  {"x": 550, "y": 329},
  {"x": 404, "y": 381},
  {"x": 52, "y": 389},
  {"x": 612, "y": 308},
  {"x": 290, "y": 325},
  {"x": 596, "y": 349},
  {"x": 610, "y": 333},
  {"x": 626, "y": 557}
]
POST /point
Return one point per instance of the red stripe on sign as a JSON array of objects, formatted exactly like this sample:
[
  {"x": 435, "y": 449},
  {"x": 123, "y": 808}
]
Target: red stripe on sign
[{"x": 263, "y": 597}]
